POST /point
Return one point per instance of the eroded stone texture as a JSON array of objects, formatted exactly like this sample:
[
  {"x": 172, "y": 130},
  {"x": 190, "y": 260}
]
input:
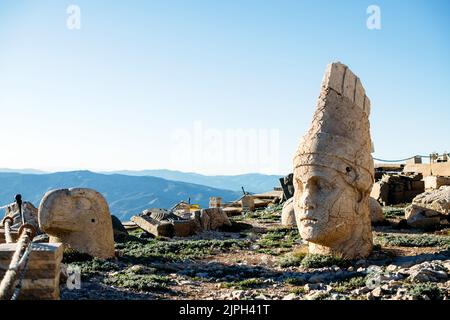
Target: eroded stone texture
[
  {"x": 41, "y": 280},
  {"x": 213, "y": 218},
  {"x": 80, "y": 219},
  {"x": 333, "y": 170},
  {"x": 30, "y": 214},
  {"x": 376, "y": 211},
  {"x": 288, "y": 214},
  {"x": 429, "y": 208}
]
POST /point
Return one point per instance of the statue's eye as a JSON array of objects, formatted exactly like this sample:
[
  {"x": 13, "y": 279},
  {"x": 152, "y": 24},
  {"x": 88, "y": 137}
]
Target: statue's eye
[
  {"x": 323, "y": 185},
  {"x": 299, "y": 184}
]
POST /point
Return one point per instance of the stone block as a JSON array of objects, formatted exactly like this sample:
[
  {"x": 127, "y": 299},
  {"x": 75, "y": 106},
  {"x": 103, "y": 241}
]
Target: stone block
[
  {"x": 41, "y": 280},
  {"x": 435, "y": 182},
  {"x": 349, "y": 85}
]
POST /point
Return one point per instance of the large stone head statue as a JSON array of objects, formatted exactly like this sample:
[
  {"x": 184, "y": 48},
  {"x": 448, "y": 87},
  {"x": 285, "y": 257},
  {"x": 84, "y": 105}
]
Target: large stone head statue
[
  {"x": 333, "y": 170},
  {"x": 80, "y": 219}
]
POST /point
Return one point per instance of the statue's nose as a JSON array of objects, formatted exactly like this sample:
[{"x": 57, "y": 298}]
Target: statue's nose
[{"x": 308, "y": 201}]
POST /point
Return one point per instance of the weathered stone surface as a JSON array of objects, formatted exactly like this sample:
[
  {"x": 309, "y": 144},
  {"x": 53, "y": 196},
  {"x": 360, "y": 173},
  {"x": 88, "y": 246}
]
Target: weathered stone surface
[
  {"x": 397, "y": 188},
  {"x": 30, "y": 214},
  {"x": 41, "y": 280},
  {"x": 333, "y": 170},
  {"x": 287, "y": 185},
  {"x": 215, "y": 202},
  {"x": 118, "y": 228},
  {"x": 248, "y": 203},
  {"x": 213, "y": 218},
  {"x": 153, "y": 226},
  {"x": 428, "y": 208},
  {"x": 288, "y": 214},
  {"x": 376, "y": 211},
  {"x": 435, "y": 182},
  {"x": 80, "y": 219}
]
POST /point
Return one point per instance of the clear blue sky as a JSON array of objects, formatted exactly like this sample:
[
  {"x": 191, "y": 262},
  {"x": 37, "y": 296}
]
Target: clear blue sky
[{"x": 118, "y": 93}]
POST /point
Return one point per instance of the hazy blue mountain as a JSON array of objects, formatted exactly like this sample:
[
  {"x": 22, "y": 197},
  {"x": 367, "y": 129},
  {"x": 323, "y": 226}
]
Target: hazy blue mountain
[
  {"x": 252, "y": 182},
  {"x": 26, "y": 171},
  {"x": 126, "y": 195}
]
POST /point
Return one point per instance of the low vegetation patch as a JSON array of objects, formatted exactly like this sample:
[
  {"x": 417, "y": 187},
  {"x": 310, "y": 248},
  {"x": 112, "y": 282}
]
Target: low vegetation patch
[
  {"x": 295, "y": 281},
  {"x": 269, "y": 214},
  {"x": 245, "y": 284},
  {"x": 95, "y": 266},
  {"x": 425, "y": 291},
  {"x": 70, "y": 255},
  {"x": 139, "y": 282},
  {"x": 175, "y": 250},
  {"x": 321, "y": 261},
  {"x": 280, "y": 238},
  {"x": 348, "y": 284},
  {"x": 407, "y": 240},
  {"x": 293, "y": 259},
  {"x": 394, "y": 211}
]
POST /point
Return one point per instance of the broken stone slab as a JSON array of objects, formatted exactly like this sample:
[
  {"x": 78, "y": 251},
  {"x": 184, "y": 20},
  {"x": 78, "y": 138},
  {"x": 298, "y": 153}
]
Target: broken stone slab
[
  {"x": 165, "y": 228},
  {"x": 429, "y": 208},
  {"x": 288, "y": 214},
  {"x": 153, "y": 226},
  {"x": 248, "y": 203},
  {"x": 213, "y": 219},
  {"x": 232, "y": 211},
  {"x": 435, "y": 182},
  {"x": 80, "y": 219},
  {"x": 41, "y": 280}
]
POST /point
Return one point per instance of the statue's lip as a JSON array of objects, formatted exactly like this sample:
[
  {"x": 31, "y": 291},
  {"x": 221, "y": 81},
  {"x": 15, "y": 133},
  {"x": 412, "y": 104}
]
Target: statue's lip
[{"x": 308, "y": 219}]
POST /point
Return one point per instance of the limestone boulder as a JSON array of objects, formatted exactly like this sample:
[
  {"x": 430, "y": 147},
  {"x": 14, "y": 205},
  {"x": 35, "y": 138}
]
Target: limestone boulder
[
  {"x": 213, "y": 219},
  {"x": 429, "y": 209},
  {"x": 376, "y": 211},
  {"x": 288, "y": 214},
  {"x": 80, "y": 219},
  {"x": 118, "y": 228}
]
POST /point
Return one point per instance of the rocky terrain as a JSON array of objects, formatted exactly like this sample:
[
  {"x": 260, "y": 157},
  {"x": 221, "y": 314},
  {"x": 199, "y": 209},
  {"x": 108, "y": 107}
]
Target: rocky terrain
[{"x": 257, "y": 258}]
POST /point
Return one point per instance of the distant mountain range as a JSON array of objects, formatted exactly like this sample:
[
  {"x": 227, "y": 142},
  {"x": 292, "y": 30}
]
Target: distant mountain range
[
  {"x": 126, "y": 195},
  {"x": 252, "y": 182}
]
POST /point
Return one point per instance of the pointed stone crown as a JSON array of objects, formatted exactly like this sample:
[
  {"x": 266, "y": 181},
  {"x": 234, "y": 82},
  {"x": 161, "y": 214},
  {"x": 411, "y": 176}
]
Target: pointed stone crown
[{"x": 339, "y": 136}]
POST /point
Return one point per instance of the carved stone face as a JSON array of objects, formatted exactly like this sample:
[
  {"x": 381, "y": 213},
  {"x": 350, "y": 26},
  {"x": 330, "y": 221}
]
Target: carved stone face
[{"x": 324, "y": 204}]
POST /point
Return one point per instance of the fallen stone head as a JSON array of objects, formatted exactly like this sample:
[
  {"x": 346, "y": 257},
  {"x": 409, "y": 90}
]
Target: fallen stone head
[
  {"x": 80, "y": 219},
  {"x": 333, "y": 170}
]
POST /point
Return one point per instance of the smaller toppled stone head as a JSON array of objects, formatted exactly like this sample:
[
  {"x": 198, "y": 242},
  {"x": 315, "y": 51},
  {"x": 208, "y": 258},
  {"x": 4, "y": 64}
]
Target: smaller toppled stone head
[
  {"x": 80, "y": 219},
  {"x": 333, "y": 170}
]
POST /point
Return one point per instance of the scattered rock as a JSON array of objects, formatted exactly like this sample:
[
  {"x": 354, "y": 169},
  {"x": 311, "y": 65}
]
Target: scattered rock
[
  {"x": 288, "y": 214},
  {"x": 376, "y": 211},
  {"x": 291, "y": 296}
]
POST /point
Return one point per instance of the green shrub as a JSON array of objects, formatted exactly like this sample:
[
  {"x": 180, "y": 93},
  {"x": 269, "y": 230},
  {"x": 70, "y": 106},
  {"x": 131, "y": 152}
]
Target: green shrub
[
  {"x": 320, "y": 261},
  {"x": 422, "y": 240},
  {"x": 245, "y": 284},
  {"x": 139, "y": 282},
  {"x": 422, "y": 291},
  {"x": 71, "y": 255},
  {"x": 349, "y": 284},
  {"x": 293, "y": 259}
]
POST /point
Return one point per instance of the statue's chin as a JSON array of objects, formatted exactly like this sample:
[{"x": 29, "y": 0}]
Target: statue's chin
[{"x": 310, "y": 233}]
